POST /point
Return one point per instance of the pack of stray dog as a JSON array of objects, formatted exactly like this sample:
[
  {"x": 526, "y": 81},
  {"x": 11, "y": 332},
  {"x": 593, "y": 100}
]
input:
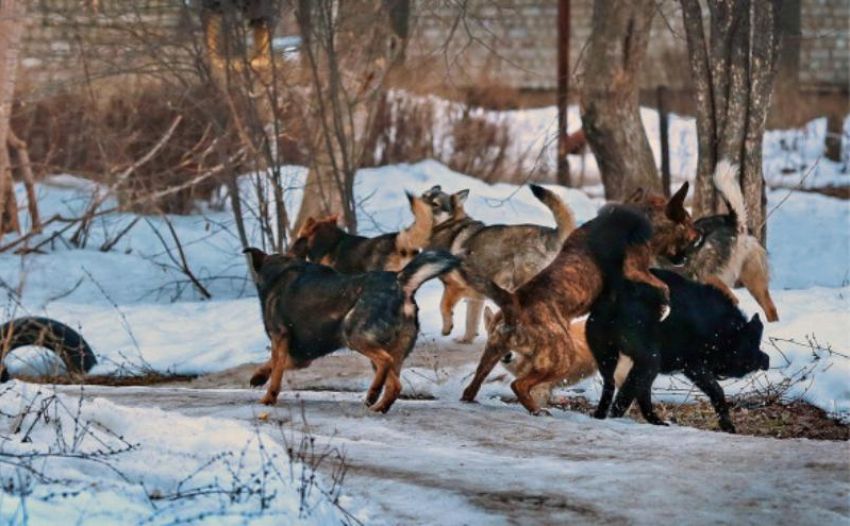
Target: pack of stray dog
[{"x": 654, "y": 284}]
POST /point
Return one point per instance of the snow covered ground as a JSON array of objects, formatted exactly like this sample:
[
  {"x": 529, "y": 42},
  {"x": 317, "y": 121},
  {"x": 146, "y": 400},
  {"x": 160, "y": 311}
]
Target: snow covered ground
[
  {"x": 94, "y": 462},
  {"x": 139, "y": 313}
]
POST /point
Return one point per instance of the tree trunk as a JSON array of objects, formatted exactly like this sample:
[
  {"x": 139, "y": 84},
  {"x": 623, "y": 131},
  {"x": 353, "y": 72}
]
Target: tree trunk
[
  {"x": 11, "y": 33},
  {"x": 609, "y": 108},
  {"x": 733, "y": 76}
]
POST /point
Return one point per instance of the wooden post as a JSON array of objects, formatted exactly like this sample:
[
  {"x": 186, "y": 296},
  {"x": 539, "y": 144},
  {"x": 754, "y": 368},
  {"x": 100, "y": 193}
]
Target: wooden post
[
  {"x": 563, "y": 89},
  {"x": 664, "y": 131},
  {"x": 834, "y": 131}
]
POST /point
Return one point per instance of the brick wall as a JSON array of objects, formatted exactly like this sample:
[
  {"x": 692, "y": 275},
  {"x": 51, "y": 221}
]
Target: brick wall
[
  {"x": 825, "y": 42},
  {"x": 514, "y": 41}
]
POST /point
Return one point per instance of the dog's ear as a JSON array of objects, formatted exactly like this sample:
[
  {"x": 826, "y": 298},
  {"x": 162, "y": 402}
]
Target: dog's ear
[
  {"x": 459, "y": 198},
  {"x": 756, "y": 328},
  {"x": 333, "y": 219},
  {"x": 258, "y": 257},
  {"x": 676, "y": 205},
  {"x": 636, "y": 197},
  {"x": 300, "y": 249},
  {"x": 307, "y": 228}
]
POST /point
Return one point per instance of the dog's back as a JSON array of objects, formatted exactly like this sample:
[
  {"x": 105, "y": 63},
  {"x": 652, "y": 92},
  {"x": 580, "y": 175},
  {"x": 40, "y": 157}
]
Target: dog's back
[{"x": 702, "y": 325}]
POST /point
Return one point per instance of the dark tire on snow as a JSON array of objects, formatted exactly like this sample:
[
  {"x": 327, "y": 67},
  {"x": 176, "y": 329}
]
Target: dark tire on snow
[{"x": 64, "y": 341}]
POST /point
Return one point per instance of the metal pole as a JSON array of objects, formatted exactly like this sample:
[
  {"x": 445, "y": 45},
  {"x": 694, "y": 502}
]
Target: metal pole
[
  {"x": 563, "y": 89},
  {"x": 664, "y": 130}
]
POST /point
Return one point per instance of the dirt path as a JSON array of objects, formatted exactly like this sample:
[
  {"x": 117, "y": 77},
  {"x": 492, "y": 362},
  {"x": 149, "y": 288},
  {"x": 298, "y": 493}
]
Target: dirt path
[{"x": 443, "y": 462}]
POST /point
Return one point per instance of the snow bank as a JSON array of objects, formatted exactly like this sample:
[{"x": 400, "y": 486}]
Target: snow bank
[
  {"x": 106, "y": 464},
  {"x": 792, "y": 157}
]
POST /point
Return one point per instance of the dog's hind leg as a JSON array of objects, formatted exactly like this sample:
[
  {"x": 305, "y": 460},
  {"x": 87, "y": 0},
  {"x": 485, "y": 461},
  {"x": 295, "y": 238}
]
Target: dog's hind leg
[
  {"x": 474, "y": 307},
  {"x": 489, "y": 359},
  {"x": 280, "y": 362},
  {"x": 261, "y": 375},
  {"x": 606, "y": 360},
  {"x": 639, "y": 384},
  {"x": 392, "y": 388},
  {"x": 383, "y": 363},
  {"x": 754, "y": 276},
  {"x": 707, "y": 383}
]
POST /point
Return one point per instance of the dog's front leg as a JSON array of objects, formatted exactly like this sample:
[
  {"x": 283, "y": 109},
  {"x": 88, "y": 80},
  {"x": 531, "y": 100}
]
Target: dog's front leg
[
  {"x": 452, "y": 293},
  {"x": 636, "y": 268},
  {"x": 489, "y": 359},
  {"x": 707, "y": 383},
  {"x": 522, "y": 388},
  {"x": 280, "y": 362}
]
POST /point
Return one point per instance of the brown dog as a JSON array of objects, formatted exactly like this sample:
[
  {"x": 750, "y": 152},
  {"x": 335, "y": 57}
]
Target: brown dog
[
  {"x": 322, "y": 241},
  {"x": 536, "y": 319},
  {"x": 509, "y": 255},
  {"x": 725, "y": 252},
  {"x": 582, "y": 365}
]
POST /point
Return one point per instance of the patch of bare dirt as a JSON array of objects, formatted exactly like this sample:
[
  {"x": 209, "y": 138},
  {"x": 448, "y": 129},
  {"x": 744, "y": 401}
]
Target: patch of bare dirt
[{"x": 752, "y": 416}]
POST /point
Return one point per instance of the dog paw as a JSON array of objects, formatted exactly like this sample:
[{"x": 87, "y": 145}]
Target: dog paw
[
  {"x": 665, "y": 311},
  {"x": 269, "y": 399},
  {"x": 466, "y": 340},
  {"x": 259, "y": 379},
  {"x": 372, "y": 399},
  {"x": 447, "y": 329},
  {"x": 468, "y": 397},
  {"x": 727, "y": 426},
  {"x": 541, "y": 412},
  {"x": 380, "y": 408}
]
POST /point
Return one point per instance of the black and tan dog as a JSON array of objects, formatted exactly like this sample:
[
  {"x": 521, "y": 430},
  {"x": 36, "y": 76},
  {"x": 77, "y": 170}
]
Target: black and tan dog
[
  {"x": 705, "y": 337},
  {"x": 535, "y": 320},
  {"x": 725, "y": 252},
  {"x": 323, "y": 241},
  {"x": 310, "y": 311},
  {"x": 509, "y": 255}
]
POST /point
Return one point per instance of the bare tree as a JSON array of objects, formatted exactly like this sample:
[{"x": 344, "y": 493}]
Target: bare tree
[
  {"x": 349, "y": 49},
  {"x": 609, "y": 107},
  {"x": 733, "y": 72},
  {"x": 11, "y": 32}
]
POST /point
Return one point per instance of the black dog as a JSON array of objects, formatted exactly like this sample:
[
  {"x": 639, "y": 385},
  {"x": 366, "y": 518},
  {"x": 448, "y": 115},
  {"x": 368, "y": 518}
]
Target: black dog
[
  {"x": 705, "y": 337},
  {"x": 310, "y": 311}
]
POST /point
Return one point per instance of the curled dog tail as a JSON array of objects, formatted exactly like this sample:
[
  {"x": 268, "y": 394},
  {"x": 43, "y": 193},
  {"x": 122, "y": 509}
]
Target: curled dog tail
[
  {"x": 615, "y": 229},
  {"x": 725, "y": 179},
  {"x": 427, "y": 265},
  {"x": 563, "y": 215},
  {"x": 51, "y": 334},
  {"x": 417, "y": 235}
]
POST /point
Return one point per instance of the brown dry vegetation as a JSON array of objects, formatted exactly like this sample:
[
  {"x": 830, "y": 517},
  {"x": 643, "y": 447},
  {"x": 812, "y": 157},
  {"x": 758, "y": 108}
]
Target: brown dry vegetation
[{"x": 754, "y": 416}]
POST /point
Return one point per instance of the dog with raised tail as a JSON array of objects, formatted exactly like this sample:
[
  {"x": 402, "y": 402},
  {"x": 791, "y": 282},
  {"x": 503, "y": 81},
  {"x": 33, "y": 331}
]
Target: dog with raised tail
[
  {"x": 509, "y": 255},
  {"x": 310, "y": 311},
  {"x": 535, "y": 320},
  {"x": 727, "y": 253}
]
